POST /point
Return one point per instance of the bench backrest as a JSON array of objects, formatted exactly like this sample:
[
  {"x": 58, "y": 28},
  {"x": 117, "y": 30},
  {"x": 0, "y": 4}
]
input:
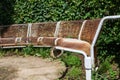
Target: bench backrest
[
  {"x": 16, "y": 30},
  {"x": 89, "y": 30},
  {"x": 81, "y": 29}
]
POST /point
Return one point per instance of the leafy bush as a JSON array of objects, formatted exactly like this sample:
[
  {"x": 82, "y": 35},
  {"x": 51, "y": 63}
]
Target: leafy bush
[
  {"x": 42, "y": 52},
  {"x": 71, "y": 60},
  {"x": 74, "y": 73},
  {"x": 105, "y": 71},
  {"x": 28, "y": 50},
  {"x": 73, "y": 64},
  {"x": 25, "y": 11}
]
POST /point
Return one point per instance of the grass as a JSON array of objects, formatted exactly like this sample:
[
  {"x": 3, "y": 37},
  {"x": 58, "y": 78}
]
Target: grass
[{"x": 107, "y": 70}]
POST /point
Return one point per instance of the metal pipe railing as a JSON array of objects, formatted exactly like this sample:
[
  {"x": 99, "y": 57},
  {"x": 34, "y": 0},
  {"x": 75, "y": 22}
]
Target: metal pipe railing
[
  {"x": 87, "y": 60},
  {"x": 98, "y": 32}
]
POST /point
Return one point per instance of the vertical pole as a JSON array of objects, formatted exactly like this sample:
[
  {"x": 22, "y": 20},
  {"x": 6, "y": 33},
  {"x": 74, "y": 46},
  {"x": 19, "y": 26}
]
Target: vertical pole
[
  {"x": 88, "y": 75},
  {"x": 92, "y": 57},
  {"x": 88, "y": 68},
  {"x": 57, "y": 29}
]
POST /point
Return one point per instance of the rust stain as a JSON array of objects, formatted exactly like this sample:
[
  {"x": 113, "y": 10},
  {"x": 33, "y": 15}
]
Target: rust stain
[{"x": 68, "y": 29}]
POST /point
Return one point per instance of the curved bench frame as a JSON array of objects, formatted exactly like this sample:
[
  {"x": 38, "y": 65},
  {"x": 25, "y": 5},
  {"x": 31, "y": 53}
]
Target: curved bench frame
[{"x": 89, "y": 60}]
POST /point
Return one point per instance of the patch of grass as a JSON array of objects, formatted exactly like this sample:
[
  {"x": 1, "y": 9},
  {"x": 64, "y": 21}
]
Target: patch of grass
[
  {"x": 1, "y": 53},
  {"x": 71, "y": 60},
  {"x": 74, "y": 73},
  {"x": 28, "y": 50},
  {"x": 105, "y": 70},
  {"x": 42, "y": 52},
  {"x": 73, "y": 64}
]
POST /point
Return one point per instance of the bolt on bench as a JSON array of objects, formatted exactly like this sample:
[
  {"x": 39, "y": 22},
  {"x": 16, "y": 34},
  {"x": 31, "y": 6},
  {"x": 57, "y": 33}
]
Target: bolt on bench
[{"x": 74, "y": 36}]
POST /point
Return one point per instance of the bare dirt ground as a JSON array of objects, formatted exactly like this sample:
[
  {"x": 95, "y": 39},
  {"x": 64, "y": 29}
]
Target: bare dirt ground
[{"x": 30, "y": 68}]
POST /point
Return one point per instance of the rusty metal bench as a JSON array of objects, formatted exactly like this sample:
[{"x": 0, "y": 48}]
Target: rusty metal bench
[{"x": 74, "y": 36}]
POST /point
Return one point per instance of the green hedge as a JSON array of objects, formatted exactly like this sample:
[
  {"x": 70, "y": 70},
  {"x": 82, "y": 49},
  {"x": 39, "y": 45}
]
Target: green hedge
[{"x": 24, "y": 11}]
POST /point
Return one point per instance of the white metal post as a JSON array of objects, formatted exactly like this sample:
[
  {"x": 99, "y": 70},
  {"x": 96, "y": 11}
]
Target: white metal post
[
  {"x": 87, "y": 61},
  {"x": 97, "y": 34},
  {"x": 88, "y": 68}
]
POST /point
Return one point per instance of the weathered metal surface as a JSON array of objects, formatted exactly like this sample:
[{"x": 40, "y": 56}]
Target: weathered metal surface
[
  {"x": 43, "y": 29},
  {"x": 48, "y": 41},
  {"x": 7, "y": 40},
  {"x": 70, "y": 29},
  {"x": 33, "y": 40},
  {"x": 89, "y": 30},
  {"x": 67, "y": 29},
  {"x": 74, "y": 44},
  {"x": 17, "y": 30}
]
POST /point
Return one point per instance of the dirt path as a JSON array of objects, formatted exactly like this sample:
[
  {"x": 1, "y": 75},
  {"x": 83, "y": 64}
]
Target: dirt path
[{"x": 30, "y": 68}]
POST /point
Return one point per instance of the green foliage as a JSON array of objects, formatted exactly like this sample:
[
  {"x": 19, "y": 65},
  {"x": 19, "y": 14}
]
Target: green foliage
[
  {"x": 25, "y": 11},
  {"x": 112, "y": 74},
  {"x": 74, "y": 73},
  {"x": 28, "y": 50},
  {"x": 42, "y": 52},
  {"x": 105, "y": 65},
  {"x": 72, "y": 60},
  {"x": 1, "y": 52},
  {"x": 73, "y": 63},
  {"x": 105, "y": 70}
]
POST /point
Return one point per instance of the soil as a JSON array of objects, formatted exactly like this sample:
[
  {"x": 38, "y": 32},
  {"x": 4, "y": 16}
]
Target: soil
[{"x": 30, "y": 68}]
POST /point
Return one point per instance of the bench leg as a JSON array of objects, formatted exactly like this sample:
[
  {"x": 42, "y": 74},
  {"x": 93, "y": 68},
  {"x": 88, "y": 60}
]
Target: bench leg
[
  {"x": 88, "y": 74},
  {"x": 88, "y": 68}
]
